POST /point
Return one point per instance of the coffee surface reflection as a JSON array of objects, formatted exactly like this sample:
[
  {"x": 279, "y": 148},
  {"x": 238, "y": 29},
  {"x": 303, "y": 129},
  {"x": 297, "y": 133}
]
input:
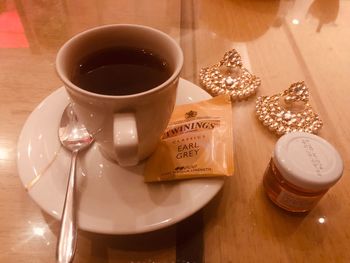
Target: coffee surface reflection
[{"x": 121, "y": 71}]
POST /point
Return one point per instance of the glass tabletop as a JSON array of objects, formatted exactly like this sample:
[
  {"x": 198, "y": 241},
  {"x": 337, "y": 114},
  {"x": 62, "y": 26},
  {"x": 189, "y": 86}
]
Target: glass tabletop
[{"x": 282, "y": 42}]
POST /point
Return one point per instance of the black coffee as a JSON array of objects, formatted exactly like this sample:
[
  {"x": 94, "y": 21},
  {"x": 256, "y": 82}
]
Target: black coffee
[{"x": 121, "y": 71}]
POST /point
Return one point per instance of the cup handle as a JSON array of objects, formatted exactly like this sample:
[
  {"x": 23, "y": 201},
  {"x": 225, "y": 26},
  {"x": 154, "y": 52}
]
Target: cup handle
[{"x": 125, "y": 139}]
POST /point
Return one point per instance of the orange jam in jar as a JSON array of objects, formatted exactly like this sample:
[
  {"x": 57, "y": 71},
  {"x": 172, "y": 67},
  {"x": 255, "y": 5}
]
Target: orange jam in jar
[{"x": 302, "y": 170}]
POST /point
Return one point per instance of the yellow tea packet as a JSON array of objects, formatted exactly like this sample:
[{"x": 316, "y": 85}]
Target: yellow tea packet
[{"x": 198, "y": 142}]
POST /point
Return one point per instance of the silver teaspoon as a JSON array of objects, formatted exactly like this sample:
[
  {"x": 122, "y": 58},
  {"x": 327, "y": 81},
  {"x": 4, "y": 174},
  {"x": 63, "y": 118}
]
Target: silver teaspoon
[{"x": 74, "y": 137}]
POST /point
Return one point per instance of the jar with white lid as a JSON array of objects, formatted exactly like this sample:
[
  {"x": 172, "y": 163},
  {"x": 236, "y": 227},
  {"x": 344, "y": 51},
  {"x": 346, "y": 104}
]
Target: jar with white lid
[{"x": 302, "y": 170}]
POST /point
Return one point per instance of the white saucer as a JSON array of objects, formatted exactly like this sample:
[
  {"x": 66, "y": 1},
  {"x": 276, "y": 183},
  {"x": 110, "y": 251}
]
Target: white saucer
[{"x": 112, "y": 199}]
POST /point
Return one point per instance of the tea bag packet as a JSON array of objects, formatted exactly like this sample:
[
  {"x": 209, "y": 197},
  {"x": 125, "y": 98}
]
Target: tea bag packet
[{"x": 198, "y": 142}]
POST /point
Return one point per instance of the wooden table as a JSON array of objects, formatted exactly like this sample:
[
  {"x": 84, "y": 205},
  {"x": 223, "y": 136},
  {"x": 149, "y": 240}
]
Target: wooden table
[{"x": 281, "y": 41}]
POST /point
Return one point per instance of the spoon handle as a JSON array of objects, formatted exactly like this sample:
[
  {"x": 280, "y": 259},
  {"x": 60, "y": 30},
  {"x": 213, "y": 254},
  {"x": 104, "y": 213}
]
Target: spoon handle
[{"x": 68, "y": 235}]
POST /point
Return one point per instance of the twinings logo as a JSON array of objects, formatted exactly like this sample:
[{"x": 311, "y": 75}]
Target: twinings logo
[
  {"x": 191, "y": 127},
  {"x": 190, "y": 114}
]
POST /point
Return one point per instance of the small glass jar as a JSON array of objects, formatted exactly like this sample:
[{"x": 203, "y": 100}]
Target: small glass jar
[{"x": 302, "y": 170}]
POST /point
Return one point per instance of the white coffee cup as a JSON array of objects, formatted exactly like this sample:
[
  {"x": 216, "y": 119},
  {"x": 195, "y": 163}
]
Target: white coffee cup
[{"x": 129, "y": 126}]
